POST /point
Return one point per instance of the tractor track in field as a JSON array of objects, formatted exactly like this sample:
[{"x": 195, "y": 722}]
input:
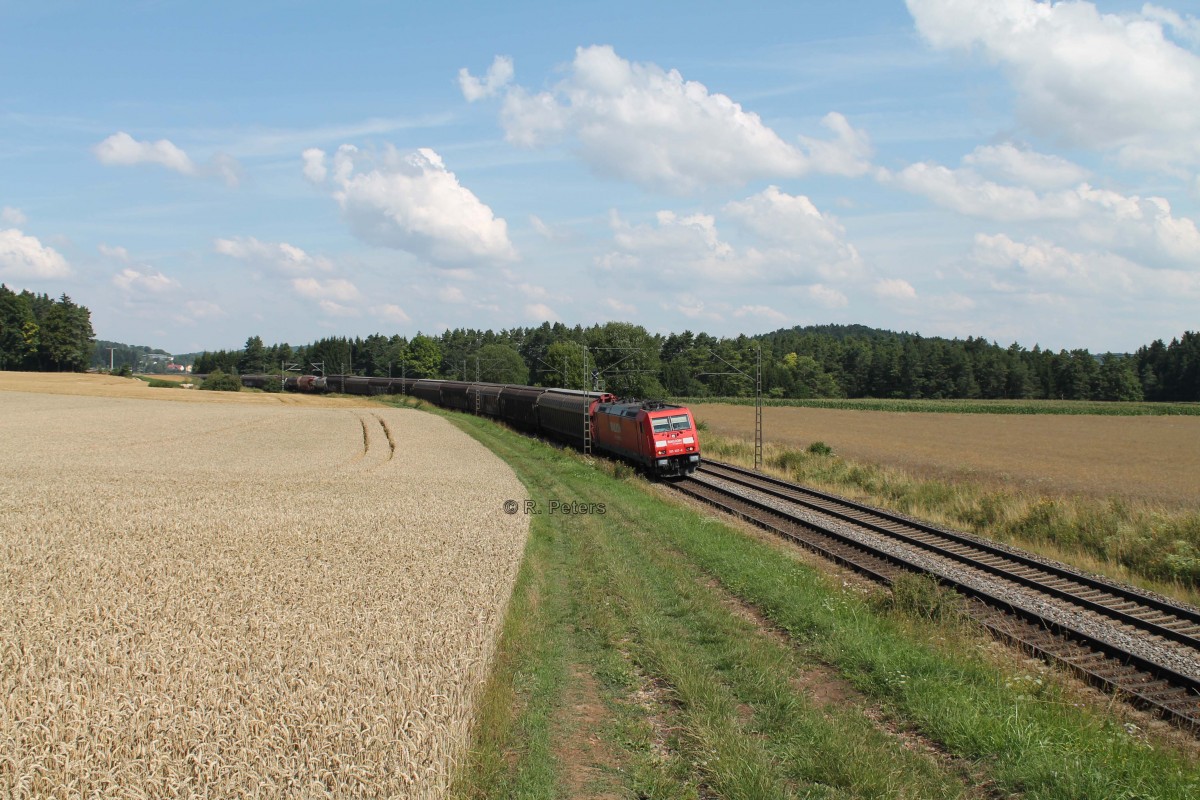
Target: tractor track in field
[{"x": 1142, "y": 647}]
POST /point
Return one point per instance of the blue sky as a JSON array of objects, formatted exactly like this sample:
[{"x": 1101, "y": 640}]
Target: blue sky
[{"x": 196, "y": 173}]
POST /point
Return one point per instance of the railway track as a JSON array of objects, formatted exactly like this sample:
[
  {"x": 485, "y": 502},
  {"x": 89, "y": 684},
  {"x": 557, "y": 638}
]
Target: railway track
[{"x": 1141, "y": 647}]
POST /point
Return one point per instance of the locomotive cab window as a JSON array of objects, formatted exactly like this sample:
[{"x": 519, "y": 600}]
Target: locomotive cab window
[
  {"x": 661, "y": 424},
  {"x": 680, "y": 422}
]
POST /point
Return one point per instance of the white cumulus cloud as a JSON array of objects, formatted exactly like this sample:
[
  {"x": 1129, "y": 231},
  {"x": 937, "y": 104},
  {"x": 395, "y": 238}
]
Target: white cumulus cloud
[
  {"x": 113, "y": 251},
  {"x": 678, "y": 246},
  {"x": 12, "y": 216},
  {"x": 451, "y": 294},
  {"x": 827, "y": 296},
  {"x": 203, "y": 309},
  {"x": 333, "y": 309},
  {"x": 498, "y": 76},
  {"x": 413, "y": 203},
  {"x": 326, "y": 291},
  {"x": 792, "y": 231},
  {"x": 314, "y": 165},
  {"x": 765, "y": 313},
  {"x": 24, "y": 257},
  {"x": 618, "y": 307},
  {"x": 540, "y": 312},
  {"x": 1039, "y": 268},
  {"x": 694, "y": 307},
  {"x": 784, "y": 240},
  {"x": 1183, "y": 27},
  {"x": 1023, "y": 166},
  {"x": 895, "y": 289},
  {"x": 228, "y": 169},
  {"x": 650, "y": 126},
  {"x": 284, "y": 257},
  {"x": 1145, "y": 225},
  {"x": 144, "y": 280},
  {"x": 121, "y": 149},
  {"x": 848, "y": 153},
  {"x": 391, "y": 313},
  {"x": 1085, "y": 78}
]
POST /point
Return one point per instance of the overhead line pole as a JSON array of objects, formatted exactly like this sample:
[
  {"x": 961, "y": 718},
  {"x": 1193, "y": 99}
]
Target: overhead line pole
[
  {"x": 758, "y": 433},
  {"x": 587, "y": 399},
  {"x": 758, "y": 437}
]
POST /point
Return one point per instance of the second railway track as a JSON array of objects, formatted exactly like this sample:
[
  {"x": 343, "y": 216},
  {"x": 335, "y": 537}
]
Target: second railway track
[{"x": 1141, "y": 646}]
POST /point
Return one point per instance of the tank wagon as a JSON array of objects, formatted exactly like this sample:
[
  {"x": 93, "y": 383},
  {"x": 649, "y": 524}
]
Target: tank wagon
[{"x": 660, "y": 438}]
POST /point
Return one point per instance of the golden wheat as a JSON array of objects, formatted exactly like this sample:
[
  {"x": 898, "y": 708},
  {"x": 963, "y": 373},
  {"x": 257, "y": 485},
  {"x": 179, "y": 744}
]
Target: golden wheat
[{"x": 204, "y": 600}]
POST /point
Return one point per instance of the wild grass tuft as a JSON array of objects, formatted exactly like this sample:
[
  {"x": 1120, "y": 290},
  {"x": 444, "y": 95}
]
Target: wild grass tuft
[{"x": 922, "y": 597}]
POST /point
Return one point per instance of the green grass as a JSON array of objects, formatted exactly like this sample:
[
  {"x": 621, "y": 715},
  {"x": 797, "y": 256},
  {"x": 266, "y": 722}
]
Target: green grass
[
  {"x": 698, "y": 700},
  {"x": 1075, "y": 407},
  {"x": 1157, "y": 547}
]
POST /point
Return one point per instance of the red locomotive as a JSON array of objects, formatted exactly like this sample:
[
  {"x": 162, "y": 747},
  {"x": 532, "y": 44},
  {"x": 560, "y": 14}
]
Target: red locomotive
[{"x": 660, "y": 438}]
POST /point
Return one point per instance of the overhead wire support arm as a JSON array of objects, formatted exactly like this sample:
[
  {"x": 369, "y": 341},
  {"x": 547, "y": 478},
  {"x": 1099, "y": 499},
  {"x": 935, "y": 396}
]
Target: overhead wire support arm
[
  {"x": 587, "y": 407},
  {"x": 758, "y": 408}
]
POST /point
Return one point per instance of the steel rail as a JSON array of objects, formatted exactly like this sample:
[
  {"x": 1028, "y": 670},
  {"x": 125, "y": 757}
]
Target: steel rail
[
  {"x": 1145, "y": 682},
  {"x": 833, "y": 506}
]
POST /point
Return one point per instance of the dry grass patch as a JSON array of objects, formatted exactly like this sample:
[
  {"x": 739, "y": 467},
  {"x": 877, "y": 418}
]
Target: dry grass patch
[{"x": 243, "y": 600}]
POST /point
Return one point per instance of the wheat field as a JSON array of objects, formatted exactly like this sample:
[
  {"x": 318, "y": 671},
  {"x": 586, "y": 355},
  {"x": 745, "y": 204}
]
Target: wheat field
[{"x": 243, "y": 600}]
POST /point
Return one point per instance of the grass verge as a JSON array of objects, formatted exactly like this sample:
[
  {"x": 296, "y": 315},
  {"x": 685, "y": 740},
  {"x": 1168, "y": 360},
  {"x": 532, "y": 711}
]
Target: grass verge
[
  {"x": 1140, "y": 543},
  {"x": 695, "y": 699}
]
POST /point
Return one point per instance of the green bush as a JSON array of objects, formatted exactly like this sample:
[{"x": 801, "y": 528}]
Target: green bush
[
  {"x": 788, "y": 460},
  {"x": 820, "y": 449},
  {"x": 273, "y": 384},
  {"x": 125, "y": 371},
  {"x": 218, "y": 381}
]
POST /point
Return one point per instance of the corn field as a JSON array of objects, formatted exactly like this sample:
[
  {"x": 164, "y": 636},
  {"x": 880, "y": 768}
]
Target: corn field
[{"x": 228, "y": 600}]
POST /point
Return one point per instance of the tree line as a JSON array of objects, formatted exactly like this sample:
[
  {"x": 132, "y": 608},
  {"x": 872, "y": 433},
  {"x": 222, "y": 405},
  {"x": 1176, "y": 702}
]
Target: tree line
[
  {"x": 41, "y": 334},
  {"x": 130, "y": 357},
  {"x": 801, "y": 362}
]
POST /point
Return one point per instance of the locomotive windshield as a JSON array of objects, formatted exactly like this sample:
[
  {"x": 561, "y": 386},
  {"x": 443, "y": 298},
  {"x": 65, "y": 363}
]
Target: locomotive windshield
[{"x": 677, "y": 422}]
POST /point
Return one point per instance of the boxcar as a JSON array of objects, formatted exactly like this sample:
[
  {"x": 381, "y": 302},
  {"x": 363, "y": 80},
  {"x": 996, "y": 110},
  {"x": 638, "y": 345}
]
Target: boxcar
[
  {"x": 561, "y": 412},
  {"x": 518, "y": 406},
  {"x": 428, "y": 390}
]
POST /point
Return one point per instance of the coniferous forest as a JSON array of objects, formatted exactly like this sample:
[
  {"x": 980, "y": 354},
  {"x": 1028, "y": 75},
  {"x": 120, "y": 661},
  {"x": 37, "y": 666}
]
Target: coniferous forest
[
  {"x": 827, "y": 361},
  {"x": 40, "y": 334},
  {"x": 804, "y": 362}
]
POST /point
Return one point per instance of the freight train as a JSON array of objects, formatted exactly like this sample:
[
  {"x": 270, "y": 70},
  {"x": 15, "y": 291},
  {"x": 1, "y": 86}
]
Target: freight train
[{"x": 659, "y": 437}]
